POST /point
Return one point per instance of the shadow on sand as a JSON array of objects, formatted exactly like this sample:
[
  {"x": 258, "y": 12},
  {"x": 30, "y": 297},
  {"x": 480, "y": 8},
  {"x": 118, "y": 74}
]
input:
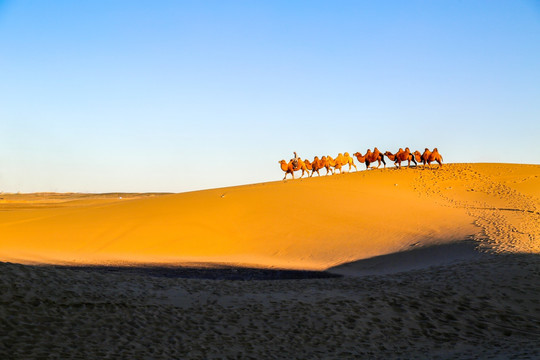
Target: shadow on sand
[
  {"x": 418, "y": 258},
  {"x": 209, "y": 273}
]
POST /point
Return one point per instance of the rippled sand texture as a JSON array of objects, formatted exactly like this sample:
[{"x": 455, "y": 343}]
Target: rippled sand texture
[{"x": 482, "y": 309}]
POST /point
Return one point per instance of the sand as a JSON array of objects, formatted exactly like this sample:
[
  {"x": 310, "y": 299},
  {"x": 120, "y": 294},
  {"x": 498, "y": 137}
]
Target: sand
[{"x": 431, "y": 263}]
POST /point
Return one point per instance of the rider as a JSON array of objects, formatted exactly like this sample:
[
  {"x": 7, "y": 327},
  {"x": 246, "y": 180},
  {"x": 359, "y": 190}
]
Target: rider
[{"x": 295, "y": 160}]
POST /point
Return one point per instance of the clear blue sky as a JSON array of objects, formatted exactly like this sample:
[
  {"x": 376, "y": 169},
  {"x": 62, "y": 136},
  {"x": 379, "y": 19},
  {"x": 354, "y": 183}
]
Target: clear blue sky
[{"x": 99, "y": 96}]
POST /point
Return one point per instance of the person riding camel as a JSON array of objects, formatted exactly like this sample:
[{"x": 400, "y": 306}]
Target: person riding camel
[{"x": 295, "y": 160}]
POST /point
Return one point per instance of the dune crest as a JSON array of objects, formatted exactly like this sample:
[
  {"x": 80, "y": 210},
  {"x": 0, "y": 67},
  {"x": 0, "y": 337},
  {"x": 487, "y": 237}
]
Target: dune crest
[{"x": 313, "y": 223}]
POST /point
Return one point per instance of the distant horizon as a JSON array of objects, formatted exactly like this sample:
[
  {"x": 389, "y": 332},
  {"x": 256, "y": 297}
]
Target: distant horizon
[
  {"x": 187, "y": 96},
  {"x": 297, "y": 177}
]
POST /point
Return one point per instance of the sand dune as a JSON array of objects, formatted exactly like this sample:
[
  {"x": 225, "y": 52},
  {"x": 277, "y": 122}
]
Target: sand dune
[
  {"x": 314, "y": 223},
  {"x": 437, "y": 264}
]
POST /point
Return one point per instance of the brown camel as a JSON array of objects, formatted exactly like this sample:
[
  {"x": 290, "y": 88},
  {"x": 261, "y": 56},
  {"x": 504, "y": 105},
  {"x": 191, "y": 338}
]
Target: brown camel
[
  {"x": 394, "y": 158},
  {"x": 425, "y": 156},
  {"x": 405, "y": 155},
  {"x": 316, "y": 165},
  {"x": 371, "y": 157},
  {"x": 325, "y": 163},
  {"x": 417, "y": 156},
  {"x": 390, "y": 156},
  {"x": 290, "y": 169},
  {"x": 430, "y": 156}
]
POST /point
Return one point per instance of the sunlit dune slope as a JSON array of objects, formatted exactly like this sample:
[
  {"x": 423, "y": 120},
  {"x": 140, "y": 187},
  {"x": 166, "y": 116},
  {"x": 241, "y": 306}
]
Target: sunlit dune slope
[{"x": 311, "y": 223}]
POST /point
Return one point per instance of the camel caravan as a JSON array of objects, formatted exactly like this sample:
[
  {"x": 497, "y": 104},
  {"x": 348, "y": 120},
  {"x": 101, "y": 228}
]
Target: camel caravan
[{"x": 369, "y": 158}]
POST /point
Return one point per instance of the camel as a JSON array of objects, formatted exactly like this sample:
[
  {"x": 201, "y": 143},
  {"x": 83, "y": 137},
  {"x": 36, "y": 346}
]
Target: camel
[
  {"x": 391, "y": 157},
  {"x": 325, "y": 163},
  {"x": 402, "y": 155},
  {"x": 371, "y": 157},
  {"x": 417, "y": 156},
  {"x": 430, "y": 156},
  {"x": 335, "y": 164},
  {"x": 346, "y": 159},
  {"x": 290, "y": 169},
  {"x": 394, "y": 158},
  {"x": 316, "y": 165},
  {"x": 425, "y": 156}
]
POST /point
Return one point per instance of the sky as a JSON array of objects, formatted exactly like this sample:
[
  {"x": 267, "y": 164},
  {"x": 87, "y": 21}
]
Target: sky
[{"x": 174, "y": 96}]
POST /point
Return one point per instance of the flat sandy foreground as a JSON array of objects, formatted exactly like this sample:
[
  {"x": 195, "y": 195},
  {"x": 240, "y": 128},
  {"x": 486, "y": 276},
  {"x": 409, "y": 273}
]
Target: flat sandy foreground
[{"x": 407, "y": 264}]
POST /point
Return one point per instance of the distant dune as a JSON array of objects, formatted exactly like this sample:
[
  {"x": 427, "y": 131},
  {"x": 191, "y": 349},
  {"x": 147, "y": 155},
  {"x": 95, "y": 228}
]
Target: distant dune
[{"x": 315, "y": 223}]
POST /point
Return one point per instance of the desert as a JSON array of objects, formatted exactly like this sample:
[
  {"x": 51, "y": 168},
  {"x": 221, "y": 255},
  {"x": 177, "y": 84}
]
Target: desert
[{"x": 387, "y": 263}]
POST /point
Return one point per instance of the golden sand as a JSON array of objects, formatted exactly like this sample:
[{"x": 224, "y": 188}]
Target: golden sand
[
  {"x": 438, "y": 264},
  {"x": 311, "y": 223}
]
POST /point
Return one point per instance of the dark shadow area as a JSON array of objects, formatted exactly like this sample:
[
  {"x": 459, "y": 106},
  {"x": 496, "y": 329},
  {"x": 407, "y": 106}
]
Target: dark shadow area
[
  {"x": 418, "y": 258},
  {"x": 218, "y": 273}
]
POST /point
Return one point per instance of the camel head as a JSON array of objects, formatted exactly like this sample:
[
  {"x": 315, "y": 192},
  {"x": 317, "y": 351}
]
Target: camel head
[
  {"x": 359, "y": 157},
  {"x": 284, "y": 165}
]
